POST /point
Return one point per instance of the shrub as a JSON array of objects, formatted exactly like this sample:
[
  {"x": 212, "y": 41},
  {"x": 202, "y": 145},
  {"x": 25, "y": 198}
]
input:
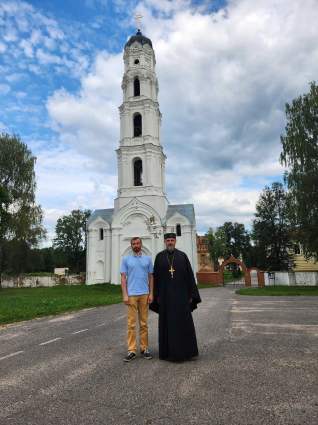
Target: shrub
[
  {"x": 235, "y": 273},
  {"x": 36, "y": 274}
]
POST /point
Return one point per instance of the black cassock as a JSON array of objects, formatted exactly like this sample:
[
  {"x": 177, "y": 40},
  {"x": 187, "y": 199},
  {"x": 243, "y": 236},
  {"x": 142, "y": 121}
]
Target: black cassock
[{"x": 177, "y": 340}]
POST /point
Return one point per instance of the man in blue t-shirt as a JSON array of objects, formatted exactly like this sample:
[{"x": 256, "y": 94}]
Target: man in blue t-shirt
[{"x": 136, "y": 271}]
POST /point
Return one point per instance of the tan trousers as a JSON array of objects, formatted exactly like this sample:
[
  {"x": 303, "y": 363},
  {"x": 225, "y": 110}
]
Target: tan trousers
[{"x": 140, "y": 303}]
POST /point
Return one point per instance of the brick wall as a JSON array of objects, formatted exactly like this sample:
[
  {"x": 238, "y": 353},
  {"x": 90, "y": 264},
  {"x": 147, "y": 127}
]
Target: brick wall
[{"x": 208, "y": 278}]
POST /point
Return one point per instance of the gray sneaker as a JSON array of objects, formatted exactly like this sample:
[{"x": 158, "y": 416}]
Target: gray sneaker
[
  {"x": 130, "y": 356},
  {"x": 145, "y": 354}
]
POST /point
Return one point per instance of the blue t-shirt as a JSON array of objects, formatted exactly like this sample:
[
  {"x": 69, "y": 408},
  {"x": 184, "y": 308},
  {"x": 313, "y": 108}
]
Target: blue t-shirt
[{"x": 137, "y": 269}]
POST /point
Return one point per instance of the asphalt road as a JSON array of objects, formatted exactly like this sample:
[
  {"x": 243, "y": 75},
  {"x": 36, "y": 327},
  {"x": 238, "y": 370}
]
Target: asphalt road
[{"x": 258, "y": 364}]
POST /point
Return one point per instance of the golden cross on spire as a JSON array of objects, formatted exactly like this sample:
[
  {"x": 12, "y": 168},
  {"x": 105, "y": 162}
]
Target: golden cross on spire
[{"x": 138, "y": 17}]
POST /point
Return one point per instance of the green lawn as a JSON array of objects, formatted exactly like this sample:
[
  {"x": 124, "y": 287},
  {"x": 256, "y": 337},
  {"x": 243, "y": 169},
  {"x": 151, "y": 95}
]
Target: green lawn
[
  {"x": 279, "y": 290},
  {"x": 208, "y": 286},
  {"x": 228, "y": 277},
  {"x": 28, "y": 303}
]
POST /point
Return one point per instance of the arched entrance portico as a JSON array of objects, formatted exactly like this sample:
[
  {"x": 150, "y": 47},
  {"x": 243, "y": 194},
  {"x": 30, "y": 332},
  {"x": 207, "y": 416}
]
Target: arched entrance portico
[
  {"x": 236, "y": 261},
  {"x": 260, "y": 276},
  {"x": 247, "y": 272},
  {"x": 216, "y": 278}
]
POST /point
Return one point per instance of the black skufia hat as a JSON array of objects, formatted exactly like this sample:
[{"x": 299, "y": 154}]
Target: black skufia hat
[{"x": 170, "y": 236}]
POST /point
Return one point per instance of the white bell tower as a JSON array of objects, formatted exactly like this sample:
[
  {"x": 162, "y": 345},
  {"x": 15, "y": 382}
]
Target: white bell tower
[
  {"x": 141, "y": 207},
  {"x": 141, "y": 162}
]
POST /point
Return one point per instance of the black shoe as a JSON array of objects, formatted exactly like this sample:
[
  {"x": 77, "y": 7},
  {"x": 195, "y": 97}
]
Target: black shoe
[
  {"x": 145, "y": 354},
  {"x": 130, "y": 356}
]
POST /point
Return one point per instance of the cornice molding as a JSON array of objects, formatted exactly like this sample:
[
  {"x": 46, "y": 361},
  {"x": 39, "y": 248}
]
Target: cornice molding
[
  {"x": 138, "y": 103},
  {"x": 146, "y": 148}
]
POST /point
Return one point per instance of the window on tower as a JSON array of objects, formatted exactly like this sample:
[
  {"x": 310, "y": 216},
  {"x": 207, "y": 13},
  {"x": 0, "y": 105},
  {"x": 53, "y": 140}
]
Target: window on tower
[
  {"x": 137, "y": 126},
  {"x": 136, "y": 87},
  {"x": 178, "y": 229},
  {"x": 138, "y": 172}
]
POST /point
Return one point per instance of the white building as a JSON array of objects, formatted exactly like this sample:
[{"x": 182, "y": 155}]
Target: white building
[{"x": 141, "y": 207}]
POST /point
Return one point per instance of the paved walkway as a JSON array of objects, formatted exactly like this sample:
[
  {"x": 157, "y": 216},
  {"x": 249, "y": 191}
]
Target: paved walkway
[{"x": 258, "y": 364}]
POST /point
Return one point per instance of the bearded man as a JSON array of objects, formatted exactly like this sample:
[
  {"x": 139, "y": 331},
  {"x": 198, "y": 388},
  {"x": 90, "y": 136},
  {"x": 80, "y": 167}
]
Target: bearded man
[
  {"x": 136, "y": 272},
  {"x": 175, "y": 297}
]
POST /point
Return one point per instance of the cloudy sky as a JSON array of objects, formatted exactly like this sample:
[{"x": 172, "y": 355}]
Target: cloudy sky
[{"x": 225, "y": 70}]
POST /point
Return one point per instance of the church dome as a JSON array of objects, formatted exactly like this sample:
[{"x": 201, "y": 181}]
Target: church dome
[{"x": 140, "y": 39}]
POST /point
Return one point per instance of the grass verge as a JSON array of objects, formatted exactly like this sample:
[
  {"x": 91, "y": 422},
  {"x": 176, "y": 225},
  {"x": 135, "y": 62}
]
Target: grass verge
[
  {"x": 279, "y": 290},
  {"x": 208, "y": 286},
  {"x": 28, "y": 303}
]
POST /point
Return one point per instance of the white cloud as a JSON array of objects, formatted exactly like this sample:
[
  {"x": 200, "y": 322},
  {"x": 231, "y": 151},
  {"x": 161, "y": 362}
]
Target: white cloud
[
  {"x": 4, "y": 89},
  {"x": 3, "y": 47},
  {"x": 64, "y": 183},
  {"x": 10, "y": 34},
  {"x": 15, "y": 77},
  {"x": 19, "y": 94},
  {"x": 27, "y": 47},
  {"x": 3, "y": 127},
  {"x": 224, "y": 79},
  {"x": 35, "y": 69},
  {"x": 55, "y": 32},
  {"x": 89, "y": 121},
  {"x": 36, "y": 36},
  {"x": 215, "y": 207},
  {"x": 49, "y": 43},
  {"x": 4, "y": 68},
  {"x": 51, "y": 215},
  {"x": 47, "y": 58}
]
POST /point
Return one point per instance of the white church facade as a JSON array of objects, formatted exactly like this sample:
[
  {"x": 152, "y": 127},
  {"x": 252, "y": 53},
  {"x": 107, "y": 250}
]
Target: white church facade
[{"x": 141, "y": 207}]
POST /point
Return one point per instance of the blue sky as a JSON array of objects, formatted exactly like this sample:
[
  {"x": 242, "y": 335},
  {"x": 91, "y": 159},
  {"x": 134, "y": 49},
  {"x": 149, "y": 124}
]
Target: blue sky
[{"x": 225, "y": 70}]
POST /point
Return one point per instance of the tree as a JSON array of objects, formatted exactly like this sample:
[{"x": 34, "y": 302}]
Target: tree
[
  {"x": 300, "y": 155},
  {"x": 272, "y": 229},
  {"x": 217, "y": 246},
  {"x": 238, "y": 240},
  {"x": 71, "y": 237},
  {"x": 5, "y": 218},
  {"x": 17, "y": 177}
]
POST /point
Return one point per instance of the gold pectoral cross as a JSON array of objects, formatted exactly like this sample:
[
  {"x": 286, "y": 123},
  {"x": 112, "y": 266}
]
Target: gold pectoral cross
[{"x": 171, "y": 271}]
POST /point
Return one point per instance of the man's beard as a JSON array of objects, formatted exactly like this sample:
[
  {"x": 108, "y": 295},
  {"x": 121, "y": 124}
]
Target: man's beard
[
  {"x": 136, "y": 249},
  {"x": 170, "y": 248}
]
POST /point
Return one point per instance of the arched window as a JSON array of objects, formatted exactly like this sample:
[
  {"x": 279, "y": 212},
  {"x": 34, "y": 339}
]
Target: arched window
[
  {"x": 136, "y": 87},
  {"x": 101, "y": 234},
  {"x": 138, "y": 172},
  {"x": 178, "y": 230},
  {"x": 137, "y": 126}
]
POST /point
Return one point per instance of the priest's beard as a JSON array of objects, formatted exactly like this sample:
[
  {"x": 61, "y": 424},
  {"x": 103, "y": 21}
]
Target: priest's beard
[{"x": 170, "y": 248}]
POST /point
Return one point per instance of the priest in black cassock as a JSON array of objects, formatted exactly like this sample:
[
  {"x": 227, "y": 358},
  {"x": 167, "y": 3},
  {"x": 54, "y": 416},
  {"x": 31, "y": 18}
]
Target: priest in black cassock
[{"x": 175, "y": 297}]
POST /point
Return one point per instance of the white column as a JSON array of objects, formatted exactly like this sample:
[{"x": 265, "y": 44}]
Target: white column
[
  {"x": 147, "y": 123},
  {"x": 115, "y": 248},
  {"x": 93, "y": 254},
  {"x": 159, "y": 171},
  {"x": 194, "y": 254},
  {"x": 159, "y": 128},
  {"x": 143, "y": 86},
  {"x": 88, "y": 266},
  {"x": 120, "y": 251},
  {"x": 130, "y": 89},
  {"x": 148, "y": 176},
  {"x": 125, "y": 171},
  {"x": 108, "y": 255},
  {"x": 164, "y": 175}
]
